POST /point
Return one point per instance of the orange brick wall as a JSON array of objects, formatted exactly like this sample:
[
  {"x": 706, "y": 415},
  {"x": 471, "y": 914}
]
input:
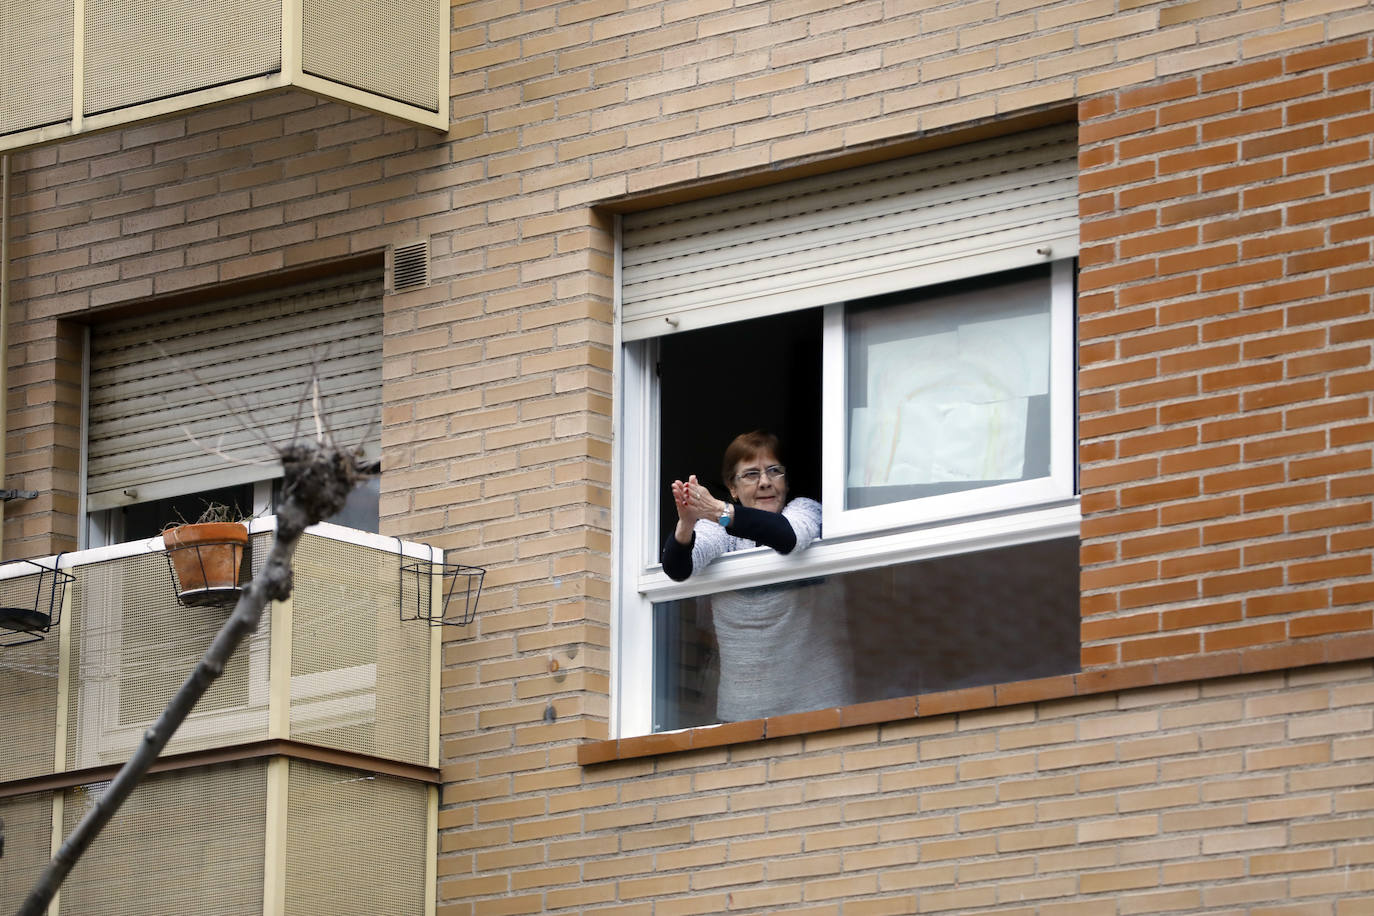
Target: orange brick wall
[{"x": 1225, "y": 412}]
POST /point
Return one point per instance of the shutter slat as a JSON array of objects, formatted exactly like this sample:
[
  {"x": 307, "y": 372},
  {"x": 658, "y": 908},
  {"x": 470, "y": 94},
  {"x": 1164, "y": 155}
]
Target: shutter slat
[
  {"x": 258, "y": 351},
  {"x": 164, "y": 462},
  {"x": 155, "y": 433},
  {"x": 940, "y": 216},
  {"x": 145, "y": 396}
]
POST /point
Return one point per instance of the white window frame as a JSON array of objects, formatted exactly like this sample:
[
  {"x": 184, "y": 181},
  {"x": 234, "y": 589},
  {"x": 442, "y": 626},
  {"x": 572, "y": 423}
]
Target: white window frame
[
  {"x": 1001, "y": 515},
  {"x": 998, "y": 499}
]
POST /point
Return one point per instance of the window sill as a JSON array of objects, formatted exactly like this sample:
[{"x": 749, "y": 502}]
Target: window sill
[{"x": 1351, "y": 647}]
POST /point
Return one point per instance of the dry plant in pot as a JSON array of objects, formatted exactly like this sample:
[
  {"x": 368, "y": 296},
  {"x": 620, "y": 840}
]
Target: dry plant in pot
[{"x": 207, "y": 555}]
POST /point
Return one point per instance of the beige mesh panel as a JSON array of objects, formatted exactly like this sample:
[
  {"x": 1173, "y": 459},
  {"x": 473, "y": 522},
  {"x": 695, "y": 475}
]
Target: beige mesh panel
[
  {"x": 190, "y": 841},
  {"x": 355, "y": 843},
  {"x": 258, "y": 545},
  {"x": 28, "y": 694},
  {"x": 133, "y": 646},
  {"x": 35, "y": 63},
  {"x": 28, "y": 841},
  {"x": 360, "y": 678},
  {"x": 141, "y": 50},
  {"x": 390, "y": 48}
]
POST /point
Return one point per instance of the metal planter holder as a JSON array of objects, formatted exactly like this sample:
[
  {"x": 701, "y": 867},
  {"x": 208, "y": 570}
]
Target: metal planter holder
[
  {"x": 461, "y": 588},
  {"x": 30, "y": 623},
  {"x": 206, "y": 568}
]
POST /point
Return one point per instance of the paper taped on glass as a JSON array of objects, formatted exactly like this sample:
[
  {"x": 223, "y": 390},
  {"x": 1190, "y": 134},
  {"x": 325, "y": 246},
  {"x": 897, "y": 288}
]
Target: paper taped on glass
[{"x": 950, "y": 406}]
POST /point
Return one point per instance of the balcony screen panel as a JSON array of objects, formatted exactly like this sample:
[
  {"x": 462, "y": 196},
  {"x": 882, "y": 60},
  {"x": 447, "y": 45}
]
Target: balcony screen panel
[
  {"x": 388, "y": 48},
  {"x": 28, "y": 692},
  {"x": 190, "y": 398},
  {"x": 28, "y": 843},
  {"x": 133, "y": 646},
  {"x": 35, "y": 63},
  {"x": 360, "y": 678},
  {"x": 142, "y": 50},
  {"x": 191, "y": 841},
  {"x": 940, "y": 216},
  {"x": 381, "y": 866}
]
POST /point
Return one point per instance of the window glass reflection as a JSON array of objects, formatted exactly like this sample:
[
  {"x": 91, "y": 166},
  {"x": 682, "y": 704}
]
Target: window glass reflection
[
  {"x": 980, "y": 618},
  {"x": 948, "y": 389}
]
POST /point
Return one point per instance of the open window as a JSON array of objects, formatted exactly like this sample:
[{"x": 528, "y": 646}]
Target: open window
[
  {"x": 907, "y": 332},
  {"x": 184, "y": 404}
]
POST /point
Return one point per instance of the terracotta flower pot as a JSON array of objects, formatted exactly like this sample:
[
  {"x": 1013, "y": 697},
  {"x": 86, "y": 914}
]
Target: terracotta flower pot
[{"x": 206, "y": 558}]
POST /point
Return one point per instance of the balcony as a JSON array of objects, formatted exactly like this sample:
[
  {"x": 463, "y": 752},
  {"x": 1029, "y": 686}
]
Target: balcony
[
  {"x": 304, "y": 782},
  {"x": 70, "y": 67}
]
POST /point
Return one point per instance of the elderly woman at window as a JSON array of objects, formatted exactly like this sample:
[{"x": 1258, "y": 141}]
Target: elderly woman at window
[{"x": 783, "y": 648}]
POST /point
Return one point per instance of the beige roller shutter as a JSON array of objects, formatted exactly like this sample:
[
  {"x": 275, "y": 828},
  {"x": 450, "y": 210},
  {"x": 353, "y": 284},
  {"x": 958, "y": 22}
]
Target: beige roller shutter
[
  {"x": 189, "y": 399},
  {"x": 939, "y": 216}
]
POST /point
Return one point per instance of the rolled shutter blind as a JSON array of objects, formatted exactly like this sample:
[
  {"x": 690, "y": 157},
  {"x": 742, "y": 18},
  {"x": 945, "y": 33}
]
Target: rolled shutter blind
[
  {"x": 945, "y": 215},
  {"x": 193, "y": 398}
]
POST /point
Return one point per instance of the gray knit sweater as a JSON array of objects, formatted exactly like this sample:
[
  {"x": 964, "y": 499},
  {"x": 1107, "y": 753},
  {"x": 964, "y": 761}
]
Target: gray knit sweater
[{"x": 783, "y": 648}]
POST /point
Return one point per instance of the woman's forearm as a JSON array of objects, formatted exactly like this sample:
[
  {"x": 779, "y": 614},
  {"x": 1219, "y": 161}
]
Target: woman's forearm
[
  {"x": 767, "y": 528},
  {"x": 677, "y": 557}
]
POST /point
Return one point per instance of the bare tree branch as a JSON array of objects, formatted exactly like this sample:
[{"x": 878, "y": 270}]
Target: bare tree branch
[
  {"x": 238, "y": 404},
  {"x": 219, "y": 452},
  {"x": 319, "y": 477}
]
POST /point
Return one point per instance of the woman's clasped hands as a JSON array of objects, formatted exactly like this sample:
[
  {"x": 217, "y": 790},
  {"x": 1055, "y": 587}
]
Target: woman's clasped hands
[{"x": 695, "y": 502}]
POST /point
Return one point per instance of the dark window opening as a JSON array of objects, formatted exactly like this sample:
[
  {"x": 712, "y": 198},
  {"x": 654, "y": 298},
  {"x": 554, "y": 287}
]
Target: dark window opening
[
  {"x": 719, "y": 382},
  {"x": 147, "y": 520}
]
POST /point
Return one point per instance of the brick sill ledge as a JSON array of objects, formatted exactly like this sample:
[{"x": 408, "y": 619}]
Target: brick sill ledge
[{"x": 1255, "y": 660}]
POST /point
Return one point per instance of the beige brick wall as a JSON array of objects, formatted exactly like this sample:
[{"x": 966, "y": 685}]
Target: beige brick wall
[
  {"x": 1238, "y": 795},
  {"x": 497, "y": 431}
]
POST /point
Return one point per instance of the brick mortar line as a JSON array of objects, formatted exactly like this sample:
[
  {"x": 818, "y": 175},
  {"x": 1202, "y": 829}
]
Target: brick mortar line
[
  {"x": 1160, "y": 863},
  {"x": 1239, "y": 723},
  {"x": 1156, "y": 427},
  {"x": 1242, "y": 311},
  {"x": 1036, "y": 29},
  {"x": 1198, "y": 424},
  {"x": 1304, "y": 505},
  {"x": 1156, "y": 356},
  {"x": 1238, "y": 241},
  {"x": 1240, "y": 111},
  {"x": 1199, "y": 473},
  {"x": 1203, "y": 549}
]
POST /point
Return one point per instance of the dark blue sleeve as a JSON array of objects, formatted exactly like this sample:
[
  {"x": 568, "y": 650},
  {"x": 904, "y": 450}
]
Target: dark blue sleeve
[
  {"x": 770, "y": 529},
  {"x": 677, "y": 558}
]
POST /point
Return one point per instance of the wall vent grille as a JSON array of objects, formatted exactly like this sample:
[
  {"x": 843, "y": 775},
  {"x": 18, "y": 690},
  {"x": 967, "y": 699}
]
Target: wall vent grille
[{"x": 410, "y": 266}]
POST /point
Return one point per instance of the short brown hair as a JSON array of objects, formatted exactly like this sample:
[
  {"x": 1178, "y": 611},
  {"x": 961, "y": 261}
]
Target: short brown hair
[{"x": 747, "y": 446}]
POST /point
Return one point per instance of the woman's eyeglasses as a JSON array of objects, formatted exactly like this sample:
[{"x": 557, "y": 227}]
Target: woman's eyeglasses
[{"x": 751, "y": 476}]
